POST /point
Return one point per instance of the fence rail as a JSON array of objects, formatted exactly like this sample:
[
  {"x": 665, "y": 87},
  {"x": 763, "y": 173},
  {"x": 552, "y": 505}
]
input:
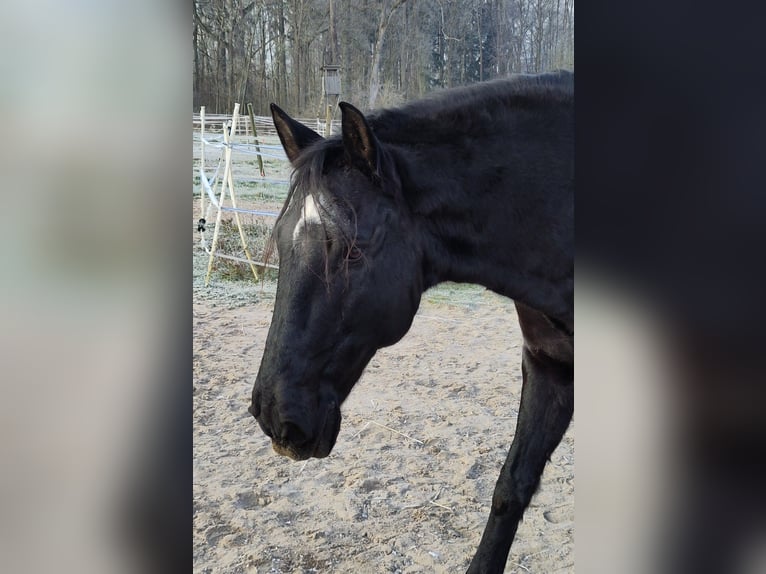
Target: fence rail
[{"x": 215, "y": 123}]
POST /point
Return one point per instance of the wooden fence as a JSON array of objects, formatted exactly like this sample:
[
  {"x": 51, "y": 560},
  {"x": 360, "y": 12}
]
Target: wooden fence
[{"x": 214, "y": 123}]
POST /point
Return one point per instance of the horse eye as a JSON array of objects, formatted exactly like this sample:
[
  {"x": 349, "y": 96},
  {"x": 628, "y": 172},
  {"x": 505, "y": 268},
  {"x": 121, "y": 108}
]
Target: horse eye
[{"x": 354, "y": 253}]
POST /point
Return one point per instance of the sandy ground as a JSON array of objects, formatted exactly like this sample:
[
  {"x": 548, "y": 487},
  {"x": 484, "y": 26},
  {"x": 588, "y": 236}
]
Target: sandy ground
[{"x": 409, "y": 483}]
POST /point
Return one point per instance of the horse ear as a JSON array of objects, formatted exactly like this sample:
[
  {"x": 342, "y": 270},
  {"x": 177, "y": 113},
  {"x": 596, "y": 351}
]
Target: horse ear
[
  {"x": 293, "y": 135},
  {"x": 360, "y": 143}
]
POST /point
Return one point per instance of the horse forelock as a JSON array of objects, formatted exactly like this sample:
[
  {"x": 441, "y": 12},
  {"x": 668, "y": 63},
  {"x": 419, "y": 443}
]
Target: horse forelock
[{"x": 333, "y": 209}]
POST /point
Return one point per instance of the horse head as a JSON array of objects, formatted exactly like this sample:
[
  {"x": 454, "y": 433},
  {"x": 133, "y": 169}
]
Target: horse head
[{"x": 350, "y": 280}]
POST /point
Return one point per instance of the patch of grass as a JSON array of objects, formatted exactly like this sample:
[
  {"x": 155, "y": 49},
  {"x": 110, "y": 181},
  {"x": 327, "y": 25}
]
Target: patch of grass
[
  {"x": 227, "y": 293},
  {"x": 264, "y": 191},
  {"x": 449, "y": 293},
  {"x": 257, "y": 234}
]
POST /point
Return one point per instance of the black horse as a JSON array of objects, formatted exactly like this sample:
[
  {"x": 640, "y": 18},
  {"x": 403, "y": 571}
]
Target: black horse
[{"x": 472, "y": 185}]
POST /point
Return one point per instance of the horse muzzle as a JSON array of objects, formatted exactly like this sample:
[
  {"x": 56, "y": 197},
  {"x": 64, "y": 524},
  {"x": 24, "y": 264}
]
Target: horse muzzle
[{"x": 302, "y": 437}]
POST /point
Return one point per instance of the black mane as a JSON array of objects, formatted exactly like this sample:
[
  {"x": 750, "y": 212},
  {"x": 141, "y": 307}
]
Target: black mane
[{"x": 468, "y": 108}]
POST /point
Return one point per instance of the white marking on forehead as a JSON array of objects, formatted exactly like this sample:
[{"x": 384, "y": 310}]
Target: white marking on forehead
[{"x": 309, "y": 215}]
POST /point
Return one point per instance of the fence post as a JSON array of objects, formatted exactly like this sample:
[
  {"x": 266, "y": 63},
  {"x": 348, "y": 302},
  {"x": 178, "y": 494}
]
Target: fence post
[
  {"x": 228, "y": 141},
  {"x": 228, "y": 180},
  {"x": 255, "y": 135},
  {"x": 202, "y": 221},
  {"x": 224, "y": 182}
]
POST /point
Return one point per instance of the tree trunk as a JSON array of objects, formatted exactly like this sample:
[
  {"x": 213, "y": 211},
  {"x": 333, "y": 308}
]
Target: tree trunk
[
  {"x": 196, "y": 95},
  {"x": 385, "y": 18},
  {"x": 482, "y": 31},
  {"x": 281, "y": 56},
  {"x": 262, "y": 88}
]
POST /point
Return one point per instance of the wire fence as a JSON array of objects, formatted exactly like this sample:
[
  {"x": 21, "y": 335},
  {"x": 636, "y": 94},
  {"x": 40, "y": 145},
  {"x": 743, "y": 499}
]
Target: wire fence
[
  {"x": 241, "y": 180},
  {"x": 264, "y": 126}
]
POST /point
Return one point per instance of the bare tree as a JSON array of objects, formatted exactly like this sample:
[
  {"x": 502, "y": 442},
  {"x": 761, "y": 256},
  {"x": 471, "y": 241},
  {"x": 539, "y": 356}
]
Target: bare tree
[
  {"x": 261, "y": 51},
  {"x": 386, "y": 11}
]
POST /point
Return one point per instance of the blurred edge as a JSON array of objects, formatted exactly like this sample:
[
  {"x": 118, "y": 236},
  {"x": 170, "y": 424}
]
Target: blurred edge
[
  {"x": 671, "y": 401},
  {"x": 96, "y": 413}
]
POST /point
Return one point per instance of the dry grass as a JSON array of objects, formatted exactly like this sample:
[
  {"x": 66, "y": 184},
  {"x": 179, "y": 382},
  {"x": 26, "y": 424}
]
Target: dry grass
[{"x": 257, "y": 233}]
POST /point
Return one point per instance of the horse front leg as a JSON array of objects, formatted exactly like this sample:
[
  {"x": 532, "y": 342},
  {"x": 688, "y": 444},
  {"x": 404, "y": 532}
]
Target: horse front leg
[{"x": 547, "y": 404}]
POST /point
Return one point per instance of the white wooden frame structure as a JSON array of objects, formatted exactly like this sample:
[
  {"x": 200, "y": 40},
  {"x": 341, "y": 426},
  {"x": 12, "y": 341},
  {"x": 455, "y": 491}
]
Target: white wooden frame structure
[{"x": 227, "y": 185}]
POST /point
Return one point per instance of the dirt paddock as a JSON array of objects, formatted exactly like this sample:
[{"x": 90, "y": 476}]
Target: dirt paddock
[{"x": 408, "y": 486}]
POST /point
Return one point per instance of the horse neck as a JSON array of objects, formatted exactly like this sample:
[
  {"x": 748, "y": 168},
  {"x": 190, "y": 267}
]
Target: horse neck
[{"x": 496, "y": 215}]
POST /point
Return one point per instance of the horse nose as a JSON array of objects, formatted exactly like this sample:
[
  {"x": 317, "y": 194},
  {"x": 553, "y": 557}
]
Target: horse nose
[{"x": 293, "y": 434}]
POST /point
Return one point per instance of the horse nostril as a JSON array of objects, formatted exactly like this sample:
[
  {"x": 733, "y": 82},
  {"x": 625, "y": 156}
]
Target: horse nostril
[{"x": 292, "y": 434}]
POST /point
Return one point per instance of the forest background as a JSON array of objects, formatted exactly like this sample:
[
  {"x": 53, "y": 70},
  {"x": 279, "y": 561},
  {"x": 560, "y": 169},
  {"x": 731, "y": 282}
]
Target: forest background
[{"x": 389, "y": 51}]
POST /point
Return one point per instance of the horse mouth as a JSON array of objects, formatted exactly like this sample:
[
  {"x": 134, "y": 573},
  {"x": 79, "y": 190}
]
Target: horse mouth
[{"x": 322, "y": 445}]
